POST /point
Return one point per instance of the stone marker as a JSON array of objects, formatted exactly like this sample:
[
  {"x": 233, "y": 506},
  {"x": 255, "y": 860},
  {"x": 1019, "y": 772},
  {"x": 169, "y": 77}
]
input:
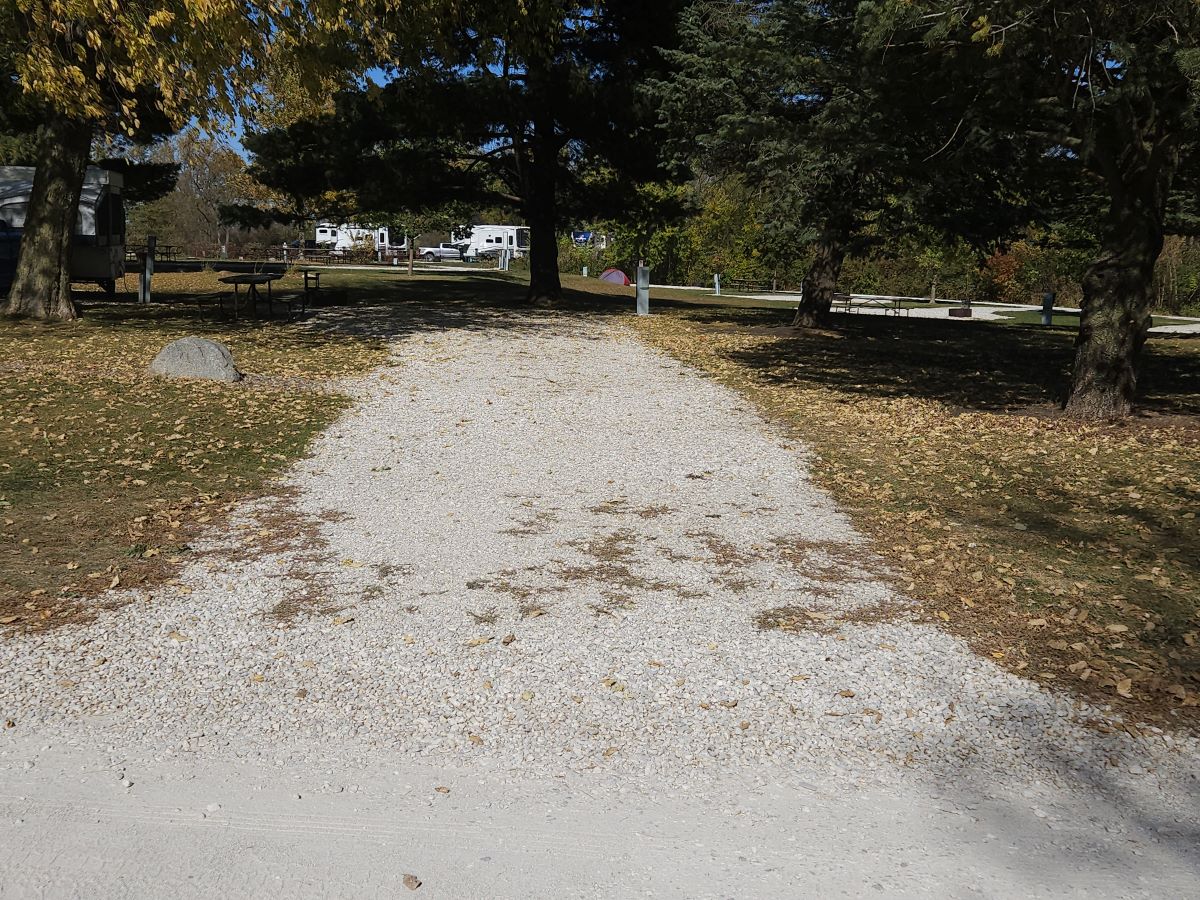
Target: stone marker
[{"x": 193, "y": 357}]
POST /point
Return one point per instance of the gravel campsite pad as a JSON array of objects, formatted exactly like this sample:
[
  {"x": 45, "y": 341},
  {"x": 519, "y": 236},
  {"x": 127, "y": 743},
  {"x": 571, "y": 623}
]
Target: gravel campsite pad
[{"x": 538, "y": 549}]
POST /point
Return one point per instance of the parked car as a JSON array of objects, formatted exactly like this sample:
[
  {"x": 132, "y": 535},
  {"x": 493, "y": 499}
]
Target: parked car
[{"x": 441, "y": 251}]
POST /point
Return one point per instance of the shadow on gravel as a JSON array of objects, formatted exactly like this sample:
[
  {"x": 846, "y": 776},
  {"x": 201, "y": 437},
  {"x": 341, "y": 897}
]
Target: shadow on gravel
[{"x": 1097, "y": 792}]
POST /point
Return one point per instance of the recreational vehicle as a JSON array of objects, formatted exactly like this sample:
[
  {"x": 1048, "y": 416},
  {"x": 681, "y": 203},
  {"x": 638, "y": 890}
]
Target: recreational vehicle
[
  {"x": 98, "y": 250},
  {"x": 489, "y": 240},
  {"x": 355, "y": 237}
]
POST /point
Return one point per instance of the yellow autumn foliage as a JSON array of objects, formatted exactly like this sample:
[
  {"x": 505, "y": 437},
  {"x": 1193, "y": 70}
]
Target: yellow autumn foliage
[{"x": 90, "y": 59}]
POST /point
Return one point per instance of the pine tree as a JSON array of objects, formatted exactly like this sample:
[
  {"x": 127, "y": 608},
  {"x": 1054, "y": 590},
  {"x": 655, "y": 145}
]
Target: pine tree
[
  {"x": 778, "y": 93},
  {"x": 520, "y": 103},
  {"x": 1108, "y": 91}
]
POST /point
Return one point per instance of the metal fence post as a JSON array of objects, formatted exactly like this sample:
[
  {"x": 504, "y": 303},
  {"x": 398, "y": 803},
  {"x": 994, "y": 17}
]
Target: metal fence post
[{"x": 1048, "y": 299}]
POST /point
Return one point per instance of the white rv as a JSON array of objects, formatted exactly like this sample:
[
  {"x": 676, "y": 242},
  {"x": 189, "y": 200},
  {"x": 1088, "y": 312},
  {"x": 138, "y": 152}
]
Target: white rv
[
  {"x": 489, "y": 240},
  {"x": 98, "y": 251},
  {"x": 351, "y": 237}
]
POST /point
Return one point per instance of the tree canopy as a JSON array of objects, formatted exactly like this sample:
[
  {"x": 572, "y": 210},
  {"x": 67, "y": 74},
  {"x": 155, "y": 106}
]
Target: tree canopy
[
  {"x": 534, "y": 104},
  {"x": 1108, "y": 91}
]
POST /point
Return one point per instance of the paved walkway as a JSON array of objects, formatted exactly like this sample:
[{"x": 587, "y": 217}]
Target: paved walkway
[
  {"x": 507, "y": 630},
  {"x": 984, "y": 312}
]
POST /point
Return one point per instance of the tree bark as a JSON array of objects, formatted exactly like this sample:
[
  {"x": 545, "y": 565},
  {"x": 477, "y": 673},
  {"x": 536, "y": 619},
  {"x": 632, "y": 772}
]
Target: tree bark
[
  {"x": 820, "y": 284},
  {"x": 541, "y": 212},
  {"x": 1112, "y": 328},
  {"x": 1118, "y": 288},
  {"x": 545, "y": 286},
  {"x": 41, "y": 287}
]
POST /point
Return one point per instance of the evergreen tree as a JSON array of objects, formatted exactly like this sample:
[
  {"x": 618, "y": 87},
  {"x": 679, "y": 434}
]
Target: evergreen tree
[
  {"x": 843, "y": 134},
  {"x": 1107, "y": 91},
  {"x": 534, "y": 104},
  {"x": 774, "y": 91}
]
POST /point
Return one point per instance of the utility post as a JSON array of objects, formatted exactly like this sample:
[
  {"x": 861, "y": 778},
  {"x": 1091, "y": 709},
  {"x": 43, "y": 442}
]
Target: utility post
[
  {"x": 643, "y": 289},
  {"x": 1048, "y": 299},
  {"x": 146, "y": 268}
]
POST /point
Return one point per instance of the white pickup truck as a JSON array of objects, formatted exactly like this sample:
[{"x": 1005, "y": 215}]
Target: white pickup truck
[{"x": 441, "y": 251}]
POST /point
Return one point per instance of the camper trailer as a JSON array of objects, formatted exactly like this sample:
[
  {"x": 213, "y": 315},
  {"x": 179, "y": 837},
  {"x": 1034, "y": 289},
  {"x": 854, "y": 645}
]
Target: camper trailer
[
  {"x": 98, "y": 253},
  {"x": 355, "y": 237},
  {"x": 488, "y": 240}
]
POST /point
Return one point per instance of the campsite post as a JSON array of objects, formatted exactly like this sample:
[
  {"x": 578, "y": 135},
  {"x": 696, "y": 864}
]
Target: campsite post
[
  {"x": 643, "y": 290},
  {"x": 1048, "y": 299},
  {"x": 146, "y": 258}
]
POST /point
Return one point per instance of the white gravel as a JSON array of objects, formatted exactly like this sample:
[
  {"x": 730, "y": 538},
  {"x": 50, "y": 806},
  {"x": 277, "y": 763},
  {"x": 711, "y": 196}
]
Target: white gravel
[{"x": 555, "y": 464}]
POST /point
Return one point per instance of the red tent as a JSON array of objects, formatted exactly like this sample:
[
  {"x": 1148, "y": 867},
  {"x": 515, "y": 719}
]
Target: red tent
[{"x": 615, "y": 276}]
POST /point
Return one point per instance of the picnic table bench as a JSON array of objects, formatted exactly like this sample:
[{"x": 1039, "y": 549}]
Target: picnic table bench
[
  {"x": 746, "y": 285},
  {"x": 312, "y": 280}
]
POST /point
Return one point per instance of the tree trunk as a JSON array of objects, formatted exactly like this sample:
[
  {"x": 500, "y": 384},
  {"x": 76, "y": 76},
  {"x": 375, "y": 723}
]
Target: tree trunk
[
  {"x": 1118, "y": 288},
  {"x": 1112, "y": 329},
  {"x": 541, "y": 214},
  {"x": 545, "y": 286},
  {"x": 820, "y": 284},
  {"x": 42, "y": 284}
]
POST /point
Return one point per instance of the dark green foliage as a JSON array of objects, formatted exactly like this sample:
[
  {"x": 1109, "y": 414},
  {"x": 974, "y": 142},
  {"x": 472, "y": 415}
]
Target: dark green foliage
[
  {"x": 1107, "y": 92},
  {"x": 533, "y": 105},
  {"x": 841, "y": 133},
  {"x": 144, "y": 181}
]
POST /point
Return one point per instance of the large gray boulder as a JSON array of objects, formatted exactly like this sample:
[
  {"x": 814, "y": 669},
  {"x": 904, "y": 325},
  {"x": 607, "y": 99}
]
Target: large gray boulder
[{"x": 193, "y": 357}]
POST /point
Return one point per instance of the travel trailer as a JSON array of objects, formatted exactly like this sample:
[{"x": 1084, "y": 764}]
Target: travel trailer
[
  {"x": 98, "y": 253},
  {"x": 355, "y": 237},
  {"x": 489, "y": 240}
]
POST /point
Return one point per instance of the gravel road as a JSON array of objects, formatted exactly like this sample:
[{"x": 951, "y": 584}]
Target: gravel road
[{"x": 532, "y": 567}]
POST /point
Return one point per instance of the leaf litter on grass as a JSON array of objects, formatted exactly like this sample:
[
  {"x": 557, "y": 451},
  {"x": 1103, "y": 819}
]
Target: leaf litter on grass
[
  {"x": 1064, "y": 551},
  {"x": 106, "y": 474}
]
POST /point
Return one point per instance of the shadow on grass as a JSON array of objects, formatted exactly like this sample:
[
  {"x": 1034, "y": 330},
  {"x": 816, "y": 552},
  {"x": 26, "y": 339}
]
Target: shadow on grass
[
  {"x": 967, "y": 365},
  {"x": 370, "y": 305},
  {"x": 970, "y": 366}
]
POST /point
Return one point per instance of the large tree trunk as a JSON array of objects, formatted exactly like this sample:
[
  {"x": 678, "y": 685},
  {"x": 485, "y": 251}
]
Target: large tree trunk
[
  {"x": 1117, "y": 292},
  {"x": 541, "y": 212},
  {"x": 1118, "y": 286},
  {"x": 820, "y": 284},
  {"x": 42, "y": 284}
]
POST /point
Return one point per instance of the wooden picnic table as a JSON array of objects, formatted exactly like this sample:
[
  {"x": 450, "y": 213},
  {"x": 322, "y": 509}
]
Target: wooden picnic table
[{"x": 253, "y": 295}]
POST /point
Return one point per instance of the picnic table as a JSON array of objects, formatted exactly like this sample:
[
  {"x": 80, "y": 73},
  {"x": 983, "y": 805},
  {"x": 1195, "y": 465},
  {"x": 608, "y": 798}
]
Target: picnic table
[
  {"x": 253, "y": 295},
  {"x": 857, "y": 302}
]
